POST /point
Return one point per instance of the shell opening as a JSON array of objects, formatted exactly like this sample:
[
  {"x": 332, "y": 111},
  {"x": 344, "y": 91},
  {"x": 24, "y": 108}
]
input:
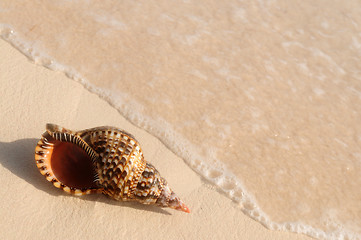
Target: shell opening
[{"x": 72, "y": 166}]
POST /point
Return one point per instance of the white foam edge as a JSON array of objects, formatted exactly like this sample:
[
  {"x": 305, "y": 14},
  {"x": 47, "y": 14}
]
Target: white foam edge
[{"x": 216, "y": 174}]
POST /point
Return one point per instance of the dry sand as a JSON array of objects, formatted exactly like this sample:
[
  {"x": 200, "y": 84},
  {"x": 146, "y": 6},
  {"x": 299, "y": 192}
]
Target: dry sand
[{"x": 31, "y": 208}]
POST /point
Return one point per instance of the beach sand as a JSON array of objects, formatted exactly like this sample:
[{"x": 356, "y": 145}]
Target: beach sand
[{"x": 31, "y": 208}]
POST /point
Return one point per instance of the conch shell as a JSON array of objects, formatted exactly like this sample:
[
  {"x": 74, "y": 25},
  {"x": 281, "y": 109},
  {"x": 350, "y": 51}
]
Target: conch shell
[{"x": 102, "y": 160}]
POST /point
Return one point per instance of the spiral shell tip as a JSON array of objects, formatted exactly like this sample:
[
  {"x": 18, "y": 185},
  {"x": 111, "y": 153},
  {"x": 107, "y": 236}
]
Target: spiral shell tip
[{"x": 184, "y": 208}]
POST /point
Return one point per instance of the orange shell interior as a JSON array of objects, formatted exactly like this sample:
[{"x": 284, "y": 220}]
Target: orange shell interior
[
  {"x": 72, "y": 166},
  {"x": 66, "y": 165}
]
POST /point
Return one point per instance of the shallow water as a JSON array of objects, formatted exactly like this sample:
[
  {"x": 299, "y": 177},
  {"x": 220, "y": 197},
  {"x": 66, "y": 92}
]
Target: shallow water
[{"x": 261, "y": 98}]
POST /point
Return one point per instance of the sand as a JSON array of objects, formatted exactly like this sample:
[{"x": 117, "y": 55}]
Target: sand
[{"x": 31, "y": 208}]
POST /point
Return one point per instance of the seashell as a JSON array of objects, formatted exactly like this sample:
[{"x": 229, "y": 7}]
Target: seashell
[{"x": 102, "y": 160}]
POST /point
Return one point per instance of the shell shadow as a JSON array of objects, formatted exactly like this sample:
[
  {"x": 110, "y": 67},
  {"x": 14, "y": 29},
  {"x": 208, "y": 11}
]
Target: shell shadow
[{"x": 18, "y": 158}]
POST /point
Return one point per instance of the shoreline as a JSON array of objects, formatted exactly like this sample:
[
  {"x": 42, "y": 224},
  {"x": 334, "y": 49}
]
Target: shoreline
[{"x": 33, "y": 96}]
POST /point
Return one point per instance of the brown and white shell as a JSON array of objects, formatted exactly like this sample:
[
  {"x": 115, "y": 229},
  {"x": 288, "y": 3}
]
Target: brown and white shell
[{"x": 102, "y": 160}]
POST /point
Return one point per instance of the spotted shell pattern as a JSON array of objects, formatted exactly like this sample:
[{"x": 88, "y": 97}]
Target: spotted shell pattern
[{"x": 120, "y": 170}]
